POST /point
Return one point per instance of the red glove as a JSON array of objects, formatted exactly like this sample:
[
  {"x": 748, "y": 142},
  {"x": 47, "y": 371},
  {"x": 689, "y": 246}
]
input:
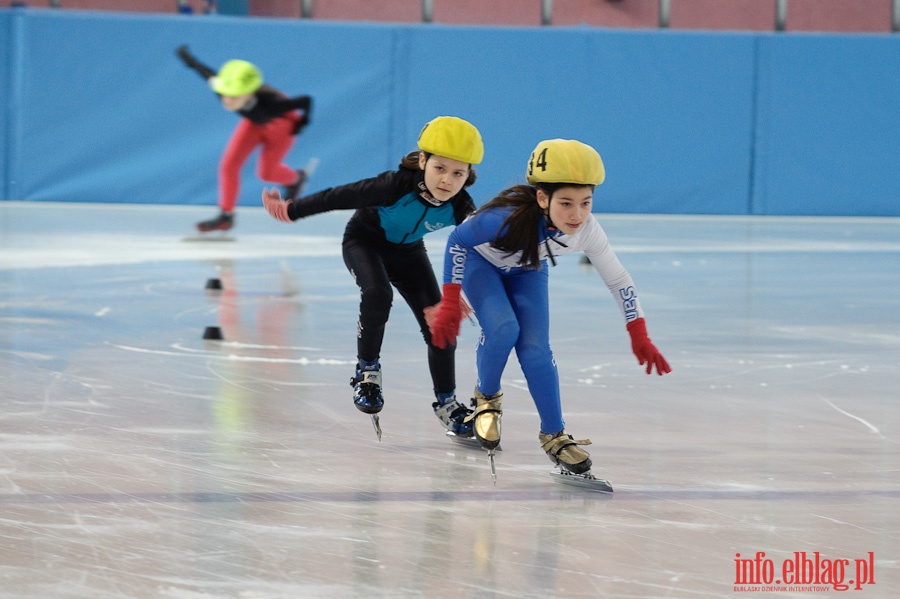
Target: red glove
[
  {"x": 644, "y": 349},
  {"x": 445, "y": 324},
  {"x": 273, "y": 204}
]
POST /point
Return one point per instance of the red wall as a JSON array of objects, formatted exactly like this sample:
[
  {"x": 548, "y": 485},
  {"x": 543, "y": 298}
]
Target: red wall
[
  {"x": 854, "y": 16},
  {"x": 865, "y": 16},
  {"x": 170, "y": 6},
  {"x": 482, "y": 12},
  {"x": 395, "y": 11},
  {"x": 634, "y": 14},
  {"x": 733, "y": 15}
]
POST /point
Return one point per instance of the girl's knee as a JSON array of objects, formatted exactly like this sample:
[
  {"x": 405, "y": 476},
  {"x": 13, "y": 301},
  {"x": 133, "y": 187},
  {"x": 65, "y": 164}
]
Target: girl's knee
[
  {"x": 503, "y": 334},
  {"x": 231, "y": 167},
  {"x": 376, "y": 294},
  {"x": 534, "y": 356},
  {"x": 266, "y": 173}
]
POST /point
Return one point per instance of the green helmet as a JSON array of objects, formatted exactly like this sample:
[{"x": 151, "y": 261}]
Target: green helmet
[
  {"x": 452, "y": 137},
  {"x": 237, "y": 78}
]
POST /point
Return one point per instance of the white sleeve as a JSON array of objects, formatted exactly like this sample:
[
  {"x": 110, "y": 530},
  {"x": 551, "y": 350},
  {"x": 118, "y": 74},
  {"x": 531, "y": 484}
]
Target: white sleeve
[{"x": 595, "y": 245}]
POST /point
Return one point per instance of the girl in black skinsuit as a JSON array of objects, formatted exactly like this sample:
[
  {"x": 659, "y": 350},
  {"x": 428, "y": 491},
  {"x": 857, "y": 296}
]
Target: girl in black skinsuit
[{"x": 383, "y": 246}]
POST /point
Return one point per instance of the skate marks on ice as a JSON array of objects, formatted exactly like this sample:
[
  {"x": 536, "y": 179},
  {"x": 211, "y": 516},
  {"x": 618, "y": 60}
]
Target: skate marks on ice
[
  {"x": 117, "y": 471},
  {"x": 474, "y": 443},
  {"x": 529, "y": 493},
  {"x": 239, "y": 353}
]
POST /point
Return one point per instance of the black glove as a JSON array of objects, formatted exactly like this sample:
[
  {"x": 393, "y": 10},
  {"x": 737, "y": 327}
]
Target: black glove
[
  {"x": 188, "y": 59},
  {"x": 303, "y": 103}
]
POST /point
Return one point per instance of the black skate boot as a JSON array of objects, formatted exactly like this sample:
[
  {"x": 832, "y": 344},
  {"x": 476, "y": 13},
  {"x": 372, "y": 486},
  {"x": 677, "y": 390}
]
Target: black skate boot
[
  {"x": 223, "y": 222},
  {"x": 452, "y": 415},
  {"x": 293, "y": 191},
  {"x": 367, "y": 395}
]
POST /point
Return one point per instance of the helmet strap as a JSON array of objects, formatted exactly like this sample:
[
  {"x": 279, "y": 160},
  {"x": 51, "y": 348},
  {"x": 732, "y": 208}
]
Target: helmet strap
[{"x": 426, "y": 196}]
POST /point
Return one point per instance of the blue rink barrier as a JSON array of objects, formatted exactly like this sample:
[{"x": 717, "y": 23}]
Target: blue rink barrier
[{"x": 97, "y": 108}]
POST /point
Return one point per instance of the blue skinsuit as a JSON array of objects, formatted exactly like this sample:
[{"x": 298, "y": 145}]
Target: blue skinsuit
[{"x": 511, "y": 303}]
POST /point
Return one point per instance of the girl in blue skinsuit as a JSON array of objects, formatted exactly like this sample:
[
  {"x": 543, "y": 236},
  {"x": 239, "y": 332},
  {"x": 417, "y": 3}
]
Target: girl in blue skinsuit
[
  {"x": 500, "y": 256},
  {"x": 383, "y": 246}
]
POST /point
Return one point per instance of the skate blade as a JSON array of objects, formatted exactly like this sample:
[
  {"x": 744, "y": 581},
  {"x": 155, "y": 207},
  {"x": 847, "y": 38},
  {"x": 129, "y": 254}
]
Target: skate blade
[
  {"x": 377, "y": 425},
  {"x": 583, "y": 481},
  {"x": 311, "y": 167},
  {"x": 471, "y": 442},
  {"x": 493, "y": 466}
]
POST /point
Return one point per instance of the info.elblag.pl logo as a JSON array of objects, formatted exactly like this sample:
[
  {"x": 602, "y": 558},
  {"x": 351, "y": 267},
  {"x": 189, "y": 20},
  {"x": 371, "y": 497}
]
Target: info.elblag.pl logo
[{"x": 802, "y": 572}]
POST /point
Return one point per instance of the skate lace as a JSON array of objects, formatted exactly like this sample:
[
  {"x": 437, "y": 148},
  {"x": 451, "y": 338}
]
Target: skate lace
[
  {"x": 460, "y": 412},
  {"x": 368, "y": 390}
]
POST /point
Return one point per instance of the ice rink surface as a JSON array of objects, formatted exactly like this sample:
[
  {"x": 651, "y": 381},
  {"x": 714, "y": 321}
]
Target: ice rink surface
[{"x": 139, "y": 461}]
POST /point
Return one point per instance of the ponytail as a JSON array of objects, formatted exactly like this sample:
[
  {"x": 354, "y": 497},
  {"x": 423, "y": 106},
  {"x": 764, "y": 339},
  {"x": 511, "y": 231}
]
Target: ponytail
[
  {"x": 520, "y": 230},
  {"x": 410, "y": 162}
]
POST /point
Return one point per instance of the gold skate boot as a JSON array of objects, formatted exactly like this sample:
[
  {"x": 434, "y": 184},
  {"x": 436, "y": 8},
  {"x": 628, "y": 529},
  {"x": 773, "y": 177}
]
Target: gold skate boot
[
  {"x": 487, "y": 418},
  {"x": 563, "y": 450}
]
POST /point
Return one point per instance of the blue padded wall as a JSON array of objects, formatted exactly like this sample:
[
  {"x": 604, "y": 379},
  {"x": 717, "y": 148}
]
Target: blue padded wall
[
  {"x": 827, "y": 130},
  {"x": 98, "y": 108}
]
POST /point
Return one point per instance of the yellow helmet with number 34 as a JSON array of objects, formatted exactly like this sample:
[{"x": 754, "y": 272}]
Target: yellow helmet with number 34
[{"x": 565, "y": 161}]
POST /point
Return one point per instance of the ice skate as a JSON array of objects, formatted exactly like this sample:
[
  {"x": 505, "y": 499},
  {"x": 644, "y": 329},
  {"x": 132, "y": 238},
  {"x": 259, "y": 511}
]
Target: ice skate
[
  {"x": 223, "y": 222},
  {"x": 486, "y": 418},
  {"x": 574, "y": 463},
  {"x": 295, "y": 190},
  {"x": 486, "y": 427},
  {"x": 452, "y": 415},
  {"x": 367, "y": 395}
]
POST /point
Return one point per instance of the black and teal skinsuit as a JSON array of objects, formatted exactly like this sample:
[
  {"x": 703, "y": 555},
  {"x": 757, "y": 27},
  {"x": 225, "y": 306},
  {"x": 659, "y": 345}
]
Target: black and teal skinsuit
[{"x": 383, "y": 246}]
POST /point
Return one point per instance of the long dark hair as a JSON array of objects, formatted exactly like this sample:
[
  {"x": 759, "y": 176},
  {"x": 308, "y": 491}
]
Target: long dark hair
[
  {"x": 520, "y": 230},
  {"x": 411, "y": 162}
]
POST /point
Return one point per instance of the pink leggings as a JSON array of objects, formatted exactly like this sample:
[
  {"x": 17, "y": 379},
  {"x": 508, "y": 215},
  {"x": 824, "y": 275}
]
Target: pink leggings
[{"x": 276, "y": 140}]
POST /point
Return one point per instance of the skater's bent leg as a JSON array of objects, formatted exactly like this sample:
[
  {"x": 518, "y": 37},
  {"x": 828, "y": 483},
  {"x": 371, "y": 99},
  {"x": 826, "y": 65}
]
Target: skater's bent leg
[
  {"x": 245, "y": 138},
  {"x": 485, "y": 289},
  {"x": 367, "y": 268},
  {"x": 277, "y": 142},
  {"x": 411, "y": 272},
  {"x": 442, "y": 366},
  {"x": 530, "y": 299}
]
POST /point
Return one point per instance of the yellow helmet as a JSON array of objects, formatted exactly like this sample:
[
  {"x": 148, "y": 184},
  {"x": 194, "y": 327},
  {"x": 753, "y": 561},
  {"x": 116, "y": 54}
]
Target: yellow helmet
[
  {"x": 236, "y": 78},
  {"x": 452, "y": 137},
  {"x": 565, "y": 161}
]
